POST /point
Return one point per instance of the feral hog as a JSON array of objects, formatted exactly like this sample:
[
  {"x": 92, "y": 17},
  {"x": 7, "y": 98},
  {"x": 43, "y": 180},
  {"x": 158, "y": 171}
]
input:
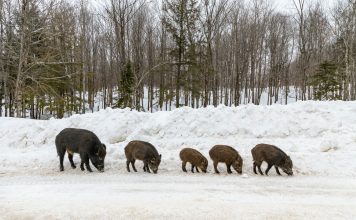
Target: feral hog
[
  {"x": 273, "y": 156},
  {"x": 140, "y": 150},
  {"x": 227, "y": 155},
  {"x": 195, "y": 158},
  {"x": 83, "y": 142}
]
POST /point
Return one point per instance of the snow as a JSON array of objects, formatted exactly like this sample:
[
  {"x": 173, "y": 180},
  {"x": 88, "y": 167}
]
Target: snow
[
  {"x": 99, "y": 101},
  {"x": 115, "y": 195},
  {"x": 320, "y": 138}
]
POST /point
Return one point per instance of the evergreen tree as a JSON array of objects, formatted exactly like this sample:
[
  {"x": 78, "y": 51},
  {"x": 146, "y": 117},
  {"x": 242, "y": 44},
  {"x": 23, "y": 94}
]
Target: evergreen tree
[
  {"x": 180, "y": 17},
  {"x": 126, "y": 87},
  {"x": 326, "y": 82}
]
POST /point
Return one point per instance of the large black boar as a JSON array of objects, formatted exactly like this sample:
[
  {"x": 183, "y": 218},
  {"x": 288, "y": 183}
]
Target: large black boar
[
  {"x": 141, "y": 150},
  {"x": 227, "y": 155},
  {"x": 195, "y": 158},
  {"x": 83, "y": 142},
  {"x": 273, "y": 156}
]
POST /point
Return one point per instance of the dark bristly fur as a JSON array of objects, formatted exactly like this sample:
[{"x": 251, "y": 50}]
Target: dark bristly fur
[
  {"x": 140, "y": 150},
  {"x": 195, "y": 158},
  {"x": 273, "y": 156},
  {"x": 83, "y": 142},
  {"x": 227, "y": 155}
]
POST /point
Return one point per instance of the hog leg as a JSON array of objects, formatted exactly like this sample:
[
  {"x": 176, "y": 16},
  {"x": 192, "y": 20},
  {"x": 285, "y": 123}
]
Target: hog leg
[
  {"x": 70, "y": 157},
  {"x": 228, "y": 167},
  {"x": 128, "y": 165},
  {"x": 277, "y": 170},
  {"x": 254, "y": 167},
  {"x": 259, "y": 169},
  {"x": 82, "y": 158},
  {"x": 268, "y": 168},
  {"x": 183, "y": 166},
  {"x": 258, "y": 164},
  {"x": 82, "y": 166},
  {"x": 133, "y": 165},
  {"x": 196, "y": 169},
  {"x": 61, "y": 158},
  {"x": 87, "y": 165},
  {"x": 145, "y": 164},
  {"x": 192, "y": 168},
  {"x": 148, "y": 169},
  {"x": 85, "y": 159},
  {"x": 216, "y": 167}
]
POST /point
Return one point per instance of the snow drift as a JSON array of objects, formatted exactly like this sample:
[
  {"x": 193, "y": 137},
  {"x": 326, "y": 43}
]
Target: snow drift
[{"x": 320, "y": 137}]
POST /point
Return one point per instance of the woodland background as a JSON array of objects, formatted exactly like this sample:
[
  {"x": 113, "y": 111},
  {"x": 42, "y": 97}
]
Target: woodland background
[{"x": 57, "y": 57}]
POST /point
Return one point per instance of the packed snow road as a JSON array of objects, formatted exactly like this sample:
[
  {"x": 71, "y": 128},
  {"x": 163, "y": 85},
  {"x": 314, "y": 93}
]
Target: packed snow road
[
  {"x": 175, "y": 196},
  {"x": 320, "y": 138}
]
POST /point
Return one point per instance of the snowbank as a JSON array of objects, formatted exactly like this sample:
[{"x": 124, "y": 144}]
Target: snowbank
[{"x": 319, "y": 136}]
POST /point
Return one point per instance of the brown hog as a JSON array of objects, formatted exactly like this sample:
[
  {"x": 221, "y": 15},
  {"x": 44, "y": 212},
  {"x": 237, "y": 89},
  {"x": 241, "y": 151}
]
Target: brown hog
[
  {"x": 227, "y": 155},
  {"x": 195, "y": 158},
  {"x": 141, "y": 150},
  {"x": 273, "y": 156}
]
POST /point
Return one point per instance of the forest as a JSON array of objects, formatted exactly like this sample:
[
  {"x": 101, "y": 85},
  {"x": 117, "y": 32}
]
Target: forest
[{"x": 59, "y": 57}]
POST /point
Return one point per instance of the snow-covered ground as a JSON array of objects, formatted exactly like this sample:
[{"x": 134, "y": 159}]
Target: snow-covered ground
[
  {"x": 320, "y": 137},
  {"x": 99, "y": 101}
]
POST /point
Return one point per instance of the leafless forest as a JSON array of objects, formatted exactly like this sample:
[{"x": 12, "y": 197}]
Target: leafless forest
[{"x": 57, "y": 56}]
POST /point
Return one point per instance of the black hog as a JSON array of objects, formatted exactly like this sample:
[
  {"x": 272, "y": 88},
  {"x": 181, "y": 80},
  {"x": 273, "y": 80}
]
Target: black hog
[
  {"x": 83, "y": 142},
  {"x": 227, "y": 155},
  {"x": 195, "y": 158},
  {"x": 273, "y": 156},
  {"x": 141, "y": 150}
]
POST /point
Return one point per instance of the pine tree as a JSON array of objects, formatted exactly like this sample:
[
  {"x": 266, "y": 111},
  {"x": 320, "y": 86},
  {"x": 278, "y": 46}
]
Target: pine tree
[
  {"x": 326, "y": 82},
  {"x": 180, "y": 17},
  {"x": 126, "y": 87}
]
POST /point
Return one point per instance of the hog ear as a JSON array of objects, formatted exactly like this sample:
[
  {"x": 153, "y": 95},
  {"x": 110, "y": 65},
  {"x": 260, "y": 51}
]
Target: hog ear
[
  {"x": 104, "y": 146},
  {"x": 238, "y": 158},
  {"x": 284, "y": 159},
  {"x": 160, "y": 156},
  {"x": 99, "y": 151}
]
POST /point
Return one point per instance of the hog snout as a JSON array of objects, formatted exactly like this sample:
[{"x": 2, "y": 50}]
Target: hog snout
[
  {"x": 288, "y": 172},
  {"x": 100, "y": 168}
]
